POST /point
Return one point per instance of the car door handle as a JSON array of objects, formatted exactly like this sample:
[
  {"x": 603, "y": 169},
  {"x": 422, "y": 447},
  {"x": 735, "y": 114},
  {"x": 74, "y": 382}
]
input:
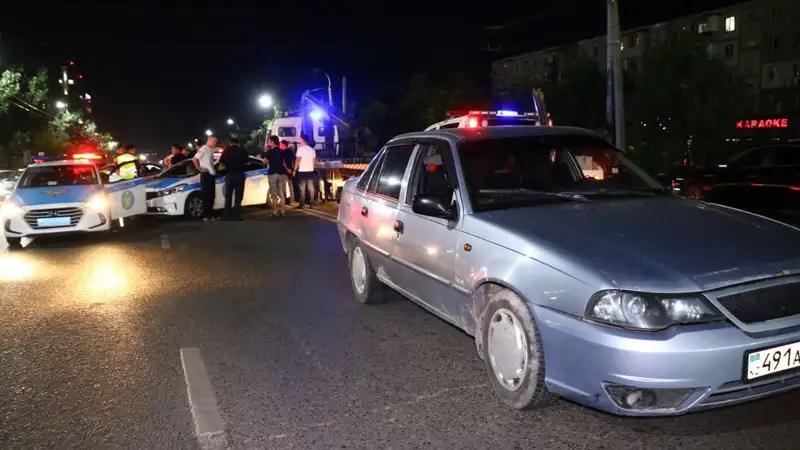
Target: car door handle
[
  {"x": 364, "y": 211},
  {"x": 398, "y": 226}
]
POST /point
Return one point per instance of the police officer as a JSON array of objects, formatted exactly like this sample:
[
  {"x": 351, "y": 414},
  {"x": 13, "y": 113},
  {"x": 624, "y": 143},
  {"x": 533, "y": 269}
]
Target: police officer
[{"x": 126, "y": 162}]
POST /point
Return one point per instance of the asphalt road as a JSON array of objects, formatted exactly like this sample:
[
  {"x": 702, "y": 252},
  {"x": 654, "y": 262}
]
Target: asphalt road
[{"x": 99, "y": 335}]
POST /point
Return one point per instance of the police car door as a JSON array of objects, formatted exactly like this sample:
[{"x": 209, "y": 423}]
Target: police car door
[
  {"x": 255, "y": 184},
  {"x": 126, "y": 197}
]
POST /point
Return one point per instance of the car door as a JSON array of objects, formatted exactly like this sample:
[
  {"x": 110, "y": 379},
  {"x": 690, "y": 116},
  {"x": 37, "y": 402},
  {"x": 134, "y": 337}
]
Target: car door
[
  {"x": 425, "y": 247},
  {"x": 256, "y": 185},
  {"x": 126, "y": 198},
  {"x": 379, "y": 206}
]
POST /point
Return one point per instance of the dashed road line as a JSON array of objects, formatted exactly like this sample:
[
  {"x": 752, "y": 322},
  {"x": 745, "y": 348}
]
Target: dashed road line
[
  {"x": 165, "y": 242},
  {"x": 209, "y": 427}
]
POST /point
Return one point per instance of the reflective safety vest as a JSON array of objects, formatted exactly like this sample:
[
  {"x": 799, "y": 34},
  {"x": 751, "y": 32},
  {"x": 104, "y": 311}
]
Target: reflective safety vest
[{"x": 126, "y": 171}]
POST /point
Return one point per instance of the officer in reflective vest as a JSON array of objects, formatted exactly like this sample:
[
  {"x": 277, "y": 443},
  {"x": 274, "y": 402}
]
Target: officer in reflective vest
[{"x": 127, "y": 164}]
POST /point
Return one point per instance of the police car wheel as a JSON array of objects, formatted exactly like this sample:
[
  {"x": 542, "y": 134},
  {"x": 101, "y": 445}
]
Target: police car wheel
[
  {"x": 14, "y": 242},
  {"x": 194, "y": 207}
]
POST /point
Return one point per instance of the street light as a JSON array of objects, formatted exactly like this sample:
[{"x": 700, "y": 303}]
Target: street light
[
  {"x": 265, "y": 101},
  {"x": 330, "y": 89},
  {"x": 60, "y": 105},
  {"x": 230, "y": 122},
  {"x": 209, "y": 132}
]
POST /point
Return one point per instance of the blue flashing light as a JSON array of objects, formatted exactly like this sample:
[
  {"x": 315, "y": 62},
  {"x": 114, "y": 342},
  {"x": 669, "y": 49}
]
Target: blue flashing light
[
  {"x": 507, "y": 112},
  {"x": 315, "y": 114}
]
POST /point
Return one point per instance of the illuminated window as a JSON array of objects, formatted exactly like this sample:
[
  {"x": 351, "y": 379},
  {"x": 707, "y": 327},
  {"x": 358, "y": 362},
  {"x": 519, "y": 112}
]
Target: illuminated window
[
  {"x": 730, "y": 24},
  {"x": 702, "y": 28}
]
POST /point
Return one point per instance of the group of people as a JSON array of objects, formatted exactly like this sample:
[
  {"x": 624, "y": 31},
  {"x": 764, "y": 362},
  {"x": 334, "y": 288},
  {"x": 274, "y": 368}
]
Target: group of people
[
  {"x": 179, "y": 153},
  {"x": 285, "y": 168}
]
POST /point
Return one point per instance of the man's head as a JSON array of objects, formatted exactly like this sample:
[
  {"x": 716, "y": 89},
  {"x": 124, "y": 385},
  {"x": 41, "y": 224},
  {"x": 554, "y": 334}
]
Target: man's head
[
  {"x": 185, "y": 150},
  {"x": 211, "y": 141},
  {"x": 176, "y": 149},
  {"x": 234, "y": 142},
  {"x": 284, "y": 145},
  {"x": 274, "y": 141},
  {"x": 304, "y": 139},
  {"x": 120, "y": 149},
  {"x": 131, "y": 149}
]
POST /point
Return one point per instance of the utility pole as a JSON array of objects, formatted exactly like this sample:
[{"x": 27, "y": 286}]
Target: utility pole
[
  {"x": 615, "y": 106},
  {"x": 344, "y": 95}
]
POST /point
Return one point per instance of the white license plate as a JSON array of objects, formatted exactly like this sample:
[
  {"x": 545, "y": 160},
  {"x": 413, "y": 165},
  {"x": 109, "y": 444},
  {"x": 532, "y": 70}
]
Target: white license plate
[
  {"x": 773, "y": 360},
  {"x": 53, "y": 222}
]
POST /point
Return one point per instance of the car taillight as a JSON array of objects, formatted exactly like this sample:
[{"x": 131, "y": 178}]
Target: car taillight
[{"x": 472, "y": 122}]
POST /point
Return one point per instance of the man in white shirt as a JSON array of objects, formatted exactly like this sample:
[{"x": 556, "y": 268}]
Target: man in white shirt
[
  {"x": 204, "y": 162},
  {"x": 306, "y": 176}
]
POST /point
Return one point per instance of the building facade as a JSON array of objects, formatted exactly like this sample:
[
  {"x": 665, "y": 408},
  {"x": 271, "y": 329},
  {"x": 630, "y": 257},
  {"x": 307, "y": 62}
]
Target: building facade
[
  {"x": 759, "y": 39},
  {"x": 72, "y": 85}
]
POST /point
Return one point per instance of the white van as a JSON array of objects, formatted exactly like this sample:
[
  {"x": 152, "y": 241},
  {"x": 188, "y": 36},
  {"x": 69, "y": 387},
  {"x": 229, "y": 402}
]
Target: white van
[{"x": 290, "y": 129}]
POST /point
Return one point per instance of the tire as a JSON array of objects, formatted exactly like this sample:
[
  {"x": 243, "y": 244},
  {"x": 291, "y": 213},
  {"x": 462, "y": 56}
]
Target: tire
[
  {"x": 193, "y": 209},
  {"x": 370, "y": 290},
  {"x": 14, "y": 242},
  {"x": 507, "y": 315}
]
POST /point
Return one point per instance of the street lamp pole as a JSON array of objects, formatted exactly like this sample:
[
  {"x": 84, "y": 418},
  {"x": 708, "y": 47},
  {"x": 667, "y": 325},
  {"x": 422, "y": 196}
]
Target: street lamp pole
[{"x": 615, "y": 108}]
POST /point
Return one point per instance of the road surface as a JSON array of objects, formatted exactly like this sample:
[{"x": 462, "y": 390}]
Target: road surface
[{"x": 100, "y": 336}]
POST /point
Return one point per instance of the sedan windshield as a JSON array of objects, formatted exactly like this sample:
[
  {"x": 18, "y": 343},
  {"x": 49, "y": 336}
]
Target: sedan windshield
[
  {"x": 67, "y": 175},
  {"x": 535, "y": 170}
]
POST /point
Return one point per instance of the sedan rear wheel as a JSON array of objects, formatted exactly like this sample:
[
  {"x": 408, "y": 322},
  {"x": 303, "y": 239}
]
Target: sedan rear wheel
[
  {"x": 366, "y": 286},
  {"x": 514, "y": 355}
]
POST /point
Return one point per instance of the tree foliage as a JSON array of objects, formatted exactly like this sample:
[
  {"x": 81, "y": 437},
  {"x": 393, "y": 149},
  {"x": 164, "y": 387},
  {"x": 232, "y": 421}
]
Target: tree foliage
[
  {"x": 28, "y": 127},
  {"x": 680, "y": 94},
  {"x": 576, "y": 96}
]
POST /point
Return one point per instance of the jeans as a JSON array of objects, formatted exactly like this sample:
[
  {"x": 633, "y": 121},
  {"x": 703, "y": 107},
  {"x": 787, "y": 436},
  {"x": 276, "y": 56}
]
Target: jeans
[
  {"x": 207, "y": 188},
  {"x": 234, "y": 193},
  {"x": 306, "y": 182}
]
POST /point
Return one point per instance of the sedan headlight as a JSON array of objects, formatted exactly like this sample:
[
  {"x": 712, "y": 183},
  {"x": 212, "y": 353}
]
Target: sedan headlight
[
  {"x": 649, "y": 312},
  {"x": 98, "y": 203},
  {"x": 172, "y": 190},
  {"x": 10, "y": 210}
]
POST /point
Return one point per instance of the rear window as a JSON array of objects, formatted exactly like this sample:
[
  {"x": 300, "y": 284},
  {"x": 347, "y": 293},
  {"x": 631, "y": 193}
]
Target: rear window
[{"x": 72, "y": 175}]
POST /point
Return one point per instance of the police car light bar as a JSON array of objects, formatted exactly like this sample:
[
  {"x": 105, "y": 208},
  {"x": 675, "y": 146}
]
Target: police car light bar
[
  {"x": 86, "y": 156},
  {"x": 499, "y": 113}
]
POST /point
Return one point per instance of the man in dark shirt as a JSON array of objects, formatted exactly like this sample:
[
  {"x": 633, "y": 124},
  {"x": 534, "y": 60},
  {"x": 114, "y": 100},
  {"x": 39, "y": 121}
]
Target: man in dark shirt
[
  {"x": 234, "y": 160},
  {"x": 177, "y": 155},
  {"x": 275, "y": 174},
  {"x": 288, "y": 163}
]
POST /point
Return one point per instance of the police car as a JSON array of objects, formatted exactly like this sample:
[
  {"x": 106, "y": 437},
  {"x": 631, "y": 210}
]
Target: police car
[
  {"x": 479, "y": 119},
  {"x": 67, "y": 197},
  {"x": 176, "y": 191}
]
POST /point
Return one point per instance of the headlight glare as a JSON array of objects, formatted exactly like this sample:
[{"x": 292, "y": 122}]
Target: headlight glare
[
  {"x": 10, "y": 210},
  {"x": 98, "y": 203},
  {"x": 647, "y": 311}
]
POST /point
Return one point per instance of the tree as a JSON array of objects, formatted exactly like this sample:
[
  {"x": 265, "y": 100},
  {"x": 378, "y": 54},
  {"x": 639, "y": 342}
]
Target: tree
[
  {"x": 576, "y": 94},
  {"x": 681, "y": 94}
]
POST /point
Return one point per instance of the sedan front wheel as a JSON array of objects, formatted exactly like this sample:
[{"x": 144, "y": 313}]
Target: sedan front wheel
[{"x": 514, "y": 356}]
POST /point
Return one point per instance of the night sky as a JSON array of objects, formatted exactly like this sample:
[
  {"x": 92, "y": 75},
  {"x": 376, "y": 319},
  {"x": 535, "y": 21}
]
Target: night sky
[{"x": 163, "y": 72}]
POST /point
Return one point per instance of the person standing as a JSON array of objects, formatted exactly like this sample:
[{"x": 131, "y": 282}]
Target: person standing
[
  {"x": 234, "y": 160},
  {"x": 304, "y": 164},
  {"x": 174, "y": 157},
  {"x": 204, "y": 163},
  {"x": 288, "y": 163},
  {"x": 126, "y": 162},
  {"x": 276, "y": 174}
]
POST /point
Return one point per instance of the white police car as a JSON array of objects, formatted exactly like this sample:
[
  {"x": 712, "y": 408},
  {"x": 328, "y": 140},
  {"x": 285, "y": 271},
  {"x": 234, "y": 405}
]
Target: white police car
[
  {"x": 176, "y": 191},
  {"x": 67, "y": 197}
]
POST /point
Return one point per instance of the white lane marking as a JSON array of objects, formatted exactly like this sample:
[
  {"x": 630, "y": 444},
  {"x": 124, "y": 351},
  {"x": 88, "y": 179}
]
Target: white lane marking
[
  {"x": 165, "y": 241},
  {"x": 209, "y": 427},
  {"x": 318, "y": 214}
]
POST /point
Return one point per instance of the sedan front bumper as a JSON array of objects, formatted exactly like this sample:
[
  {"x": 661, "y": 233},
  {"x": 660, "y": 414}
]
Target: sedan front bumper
[
  {"x": 686, "y": 368},
  {"x": 76, "y": 219}
]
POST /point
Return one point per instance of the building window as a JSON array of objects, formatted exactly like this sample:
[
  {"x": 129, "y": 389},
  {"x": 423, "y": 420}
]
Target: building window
[
  {"x": 702, "y": 28},
  {"x": 710, "y": 49},
  {"x": 728, "y": 51},
  {"x": 730, "y": 24},
  {"x": 772, "y": 74},
  {"x": 776, "y": 43},
  {"x": 796, "y": 70}
]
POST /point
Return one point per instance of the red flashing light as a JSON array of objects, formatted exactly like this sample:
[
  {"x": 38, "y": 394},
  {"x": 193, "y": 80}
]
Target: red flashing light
[
  {"x": 757, "y": 185},
  {"x": 472, "y": 122},
  {"x": 763, "y": 123},
  {"x": 72, "y": 63},
  {"x": 706, "y": 188},
  {"x": 80, "y": 77},
  {"x": 86, "y": 156},
  {"x": 794, "y": 188}
]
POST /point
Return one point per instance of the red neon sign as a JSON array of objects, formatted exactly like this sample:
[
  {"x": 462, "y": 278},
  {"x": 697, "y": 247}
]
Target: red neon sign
[{"x": 763, "y": 123}]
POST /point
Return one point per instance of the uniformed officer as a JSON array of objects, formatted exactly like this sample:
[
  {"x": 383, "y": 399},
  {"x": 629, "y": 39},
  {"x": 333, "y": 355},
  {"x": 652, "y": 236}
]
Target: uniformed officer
[{"x": 126, "y": 162}]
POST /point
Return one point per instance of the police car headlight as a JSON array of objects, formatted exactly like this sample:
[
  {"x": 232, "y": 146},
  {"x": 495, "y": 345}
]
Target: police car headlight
[
  {"x": 10, "y": 210},
  {"x": 98, "y": 203},
  {"x": 172, "y": 190}
]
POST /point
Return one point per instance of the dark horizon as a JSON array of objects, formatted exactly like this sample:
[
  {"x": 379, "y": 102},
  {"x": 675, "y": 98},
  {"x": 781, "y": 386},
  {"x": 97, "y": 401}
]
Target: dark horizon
[{"x": 161, "y": 74}]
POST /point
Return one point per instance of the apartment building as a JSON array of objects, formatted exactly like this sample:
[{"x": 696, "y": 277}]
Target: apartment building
[{"x": 760, "y": 39}]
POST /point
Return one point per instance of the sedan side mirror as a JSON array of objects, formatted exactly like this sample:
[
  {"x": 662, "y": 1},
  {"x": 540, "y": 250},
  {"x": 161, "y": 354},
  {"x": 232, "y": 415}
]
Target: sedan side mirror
[{"x": 434, "y": 206}]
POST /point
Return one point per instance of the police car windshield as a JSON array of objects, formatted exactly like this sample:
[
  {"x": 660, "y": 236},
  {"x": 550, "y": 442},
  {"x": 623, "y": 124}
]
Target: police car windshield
[{"x": 67, "y": 175}]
